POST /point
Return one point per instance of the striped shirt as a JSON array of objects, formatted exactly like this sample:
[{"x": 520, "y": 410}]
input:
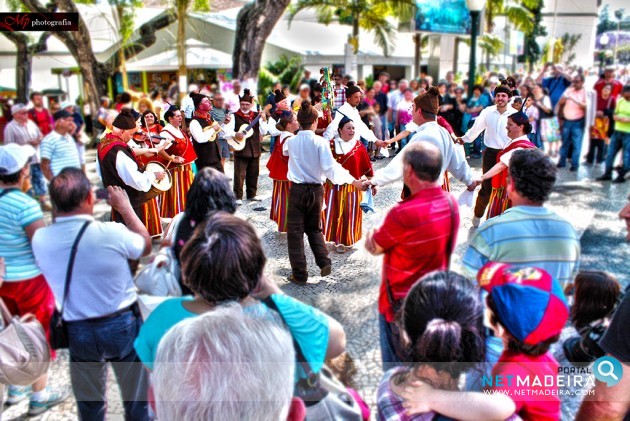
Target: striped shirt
[
  {"x": 23, "y": 135},
  {"x": 526, "y": 236},
  {"x": 414, "y": 236},
  {"x": 60, "y": 150},
  {"x": 17, "y": 211}
]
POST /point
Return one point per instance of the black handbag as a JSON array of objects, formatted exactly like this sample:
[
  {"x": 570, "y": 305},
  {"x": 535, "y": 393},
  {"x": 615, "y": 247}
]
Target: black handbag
[
  {"x": 58, "y": 328},
  {"x": 400, "y": 349}
]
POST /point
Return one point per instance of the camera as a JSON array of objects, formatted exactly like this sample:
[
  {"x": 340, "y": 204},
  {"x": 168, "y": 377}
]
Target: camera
[{"x": 585, "y": 347}]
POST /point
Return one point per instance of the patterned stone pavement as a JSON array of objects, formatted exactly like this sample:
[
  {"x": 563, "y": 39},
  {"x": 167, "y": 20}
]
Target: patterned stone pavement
[{"x": 349, "y": 294}]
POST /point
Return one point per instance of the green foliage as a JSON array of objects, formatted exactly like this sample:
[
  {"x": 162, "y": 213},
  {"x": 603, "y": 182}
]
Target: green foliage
[
  {"x": 201, "y": 6},
  {"x": 606, "y": 24},
  {"x": 491, "y": 45},
  {"x": 287, "y": 71},
  {"x": 569, "y": 41},
  {"x": 532, "y": 51},
  {"x": 370, "y": 15},
  {"x": 518, "y": 12}
]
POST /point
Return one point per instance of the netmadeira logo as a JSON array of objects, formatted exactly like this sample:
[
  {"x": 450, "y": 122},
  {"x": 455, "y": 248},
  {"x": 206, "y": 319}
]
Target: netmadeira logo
[{"x": 39, "y": 22}]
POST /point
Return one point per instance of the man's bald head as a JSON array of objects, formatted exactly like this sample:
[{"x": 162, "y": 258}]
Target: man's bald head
[{"x": 425, "y": 159}]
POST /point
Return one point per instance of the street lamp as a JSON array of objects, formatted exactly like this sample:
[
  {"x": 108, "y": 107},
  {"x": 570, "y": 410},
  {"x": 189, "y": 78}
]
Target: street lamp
[
  {"x": 603, "y": 42},
  {"x": 475, "y": 7}
]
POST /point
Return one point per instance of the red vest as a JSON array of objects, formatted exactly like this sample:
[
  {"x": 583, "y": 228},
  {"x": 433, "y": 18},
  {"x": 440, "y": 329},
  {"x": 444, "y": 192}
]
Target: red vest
[
  {"x": 357, "y": 161},
  {"x": 500, "y": 180},
  {"x": 278, "y": 164}
]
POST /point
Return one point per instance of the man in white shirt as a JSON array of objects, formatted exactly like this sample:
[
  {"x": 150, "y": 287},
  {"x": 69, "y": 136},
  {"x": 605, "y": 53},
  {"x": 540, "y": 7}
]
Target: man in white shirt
[
  {"x": 187, "y": 105},
  {"x": 99, "y": 307},
  {"x": 349, "y": 109},
  {"x": 310, "y": 163},
  {"x": 425, "y": 108},
  {"x": 493, "y": 120},
  {"x": 58, "y": 149}
]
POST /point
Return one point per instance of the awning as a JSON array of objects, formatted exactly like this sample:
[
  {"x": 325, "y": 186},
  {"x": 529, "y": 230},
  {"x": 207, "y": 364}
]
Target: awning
[{"x": 198, "y": 56}]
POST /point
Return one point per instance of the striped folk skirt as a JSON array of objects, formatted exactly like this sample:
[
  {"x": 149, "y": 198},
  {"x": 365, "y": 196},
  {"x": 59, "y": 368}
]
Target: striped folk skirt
[
  {"x": 499, "y": 202},
  {"x": 174, "y": 200},
  {"x": 342, "y": 219},
  {"x": 151, "y": 217},
  {"x": 446, "y": 185},
  {"x": 280, "y": 204}
]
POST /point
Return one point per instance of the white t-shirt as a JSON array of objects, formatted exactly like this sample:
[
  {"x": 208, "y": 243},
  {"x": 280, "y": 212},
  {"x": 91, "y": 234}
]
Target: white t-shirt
[{"x": 101, "y": 281}]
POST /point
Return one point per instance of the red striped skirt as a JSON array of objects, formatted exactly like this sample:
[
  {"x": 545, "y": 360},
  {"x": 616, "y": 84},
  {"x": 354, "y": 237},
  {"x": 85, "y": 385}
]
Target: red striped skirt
[
  {"x": 151, "y": 217},
  {"x": 446, "y": 185},
  {"x": 280, "y": 204},
  {"x": 499, "y": 202},
  {"x": 342, "y": 219},
  {"x": 174, "y": 200}
]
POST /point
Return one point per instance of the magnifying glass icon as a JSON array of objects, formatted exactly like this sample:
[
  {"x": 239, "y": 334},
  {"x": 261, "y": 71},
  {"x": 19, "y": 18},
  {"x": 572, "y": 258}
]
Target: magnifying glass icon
[{"x": 610, "y": 370}]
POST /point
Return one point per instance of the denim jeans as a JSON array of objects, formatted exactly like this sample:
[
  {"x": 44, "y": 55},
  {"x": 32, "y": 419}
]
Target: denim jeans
[
  {"x": 618, "y": 141},
  {"x": 92, "y": 345},
  {"x": 383, "y": 126},
  {"x": 272, "y": 143},
  {"x": 388, "y": 354},
  {"x": 572, "y": 134},
  {"x": 37, "y": 181}
]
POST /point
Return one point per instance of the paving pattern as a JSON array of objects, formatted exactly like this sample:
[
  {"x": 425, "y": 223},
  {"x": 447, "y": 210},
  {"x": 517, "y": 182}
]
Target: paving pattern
[{"x": 349, "y": 294}]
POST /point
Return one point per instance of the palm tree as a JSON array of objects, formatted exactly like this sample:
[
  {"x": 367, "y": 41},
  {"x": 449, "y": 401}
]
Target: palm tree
[
  {"x": 517, "y": 12},
  {"x": 370, "y": 15}
]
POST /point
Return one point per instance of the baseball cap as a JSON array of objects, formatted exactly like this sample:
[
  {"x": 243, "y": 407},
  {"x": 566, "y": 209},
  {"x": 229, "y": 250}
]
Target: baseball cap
[
  {"x": 305, "y": 86},
  {"x": 530, "y": 304},
  {"x": 61, "y": 114},
  {"x": 13, "y": 157},
  {"x": 17, "y": 108}
]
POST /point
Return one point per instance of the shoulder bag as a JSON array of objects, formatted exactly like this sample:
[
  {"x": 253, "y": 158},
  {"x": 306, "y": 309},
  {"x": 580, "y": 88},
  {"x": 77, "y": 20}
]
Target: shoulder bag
[
  {"x": 401, "y": 350},
  {"x": 325, "y": 397},
  {"x": 58, "y": 328}
]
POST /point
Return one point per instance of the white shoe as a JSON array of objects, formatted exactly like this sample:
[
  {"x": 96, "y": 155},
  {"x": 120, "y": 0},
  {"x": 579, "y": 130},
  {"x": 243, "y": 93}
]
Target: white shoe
[
  {"x": 255, "y": 199},
  {"x": 239, "y": 202},
  {"x": 476, "y": 221}
]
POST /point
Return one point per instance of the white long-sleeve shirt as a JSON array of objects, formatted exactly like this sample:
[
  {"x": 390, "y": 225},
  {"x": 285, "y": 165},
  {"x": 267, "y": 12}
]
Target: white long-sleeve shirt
[
  {"x": 269, "y": 127},
  {"x": 360, "y": 129},
  {"x": 495, "y": 125},
  {"x": 127, "y": 169},
  {"x": 453, "y": 156},
  {"x": 311, "y": 161},
  {"x": 200, "y": 136}
]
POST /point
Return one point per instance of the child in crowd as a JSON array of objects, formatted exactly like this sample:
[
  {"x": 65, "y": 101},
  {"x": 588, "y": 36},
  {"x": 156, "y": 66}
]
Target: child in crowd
[
  {"x": 526, "y": 308},
  {"x": 377, "y": 128}
]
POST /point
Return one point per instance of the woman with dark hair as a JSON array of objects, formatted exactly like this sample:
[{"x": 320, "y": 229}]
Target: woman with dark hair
[
  {"x": 518, "y": 127},
  {"x": 442, "y": 317},
  {"x": 179, "y": 157},
  {"x": 223, "y": 262},
  {"x": 342, "y": 218},
  {"x": 210, "y": 191},
  {"x": 278, "y": 166},
  {"x": 150, "y": 122}
]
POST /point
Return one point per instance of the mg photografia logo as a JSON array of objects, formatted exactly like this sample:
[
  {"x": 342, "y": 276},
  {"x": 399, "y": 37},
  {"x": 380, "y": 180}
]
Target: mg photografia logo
[{"x": 51, "y": 22}]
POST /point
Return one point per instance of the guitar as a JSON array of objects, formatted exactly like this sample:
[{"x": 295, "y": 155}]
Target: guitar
[
  {"x": 216, "y": 133},
  {"x": 247, "y": 131}
]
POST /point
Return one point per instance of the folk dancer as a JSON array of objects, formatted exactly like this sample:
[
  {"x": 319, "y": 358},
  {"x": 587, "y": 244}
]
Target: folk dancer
[
  {"x": 518, "y": 127},
  {"x": 118, "y": 164},
  {"x": 278, "y": 166},
  {"x": 146, "y": 150},
  {"x": 247, "y": 160},
  {"x": 204, "y": 132},
  {"x": 180, "y": 156},
  {"x": 427, "y": 129},
  {"x": 492, "y": 120},
  {"x": 310, "y": 160},
  {"x": 349, "y": 109},
  {"x": 342, "y": 218}
]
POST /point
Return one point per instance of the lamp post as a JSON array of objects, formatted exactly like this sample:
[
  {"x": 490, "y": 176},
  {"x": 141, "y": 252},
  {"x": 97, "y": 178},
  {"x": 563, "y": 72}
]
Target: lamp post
[
  {"x": 475, "y": 7},
  {"x": 603, "y": 42}
]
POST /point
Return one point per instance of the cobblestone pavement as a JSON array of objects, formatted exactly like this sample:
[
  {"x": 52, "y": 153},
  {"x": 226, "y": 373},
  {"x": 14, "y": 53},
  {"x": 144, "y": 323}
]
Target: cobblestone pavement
[{"x": 349, "y": 294}]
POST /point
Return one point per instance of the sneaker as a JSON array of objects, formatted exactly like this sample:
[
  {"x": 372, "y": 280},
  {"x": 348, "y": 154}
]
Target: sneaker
[
  {"x": 340, "y": 248},
  {"x": 619, "y": 179},
  {"x": 476, "y": 221},
  {"x": 255, "y": 199},
  {"x": 605, "y": 177},
  {"x": 239, "y": 202},
  {"x": 17, "y": 394},
  {"x": 55, "y": 397},
  {"x": 573, "y": 169},
  {"x": 326, "y": 270}
]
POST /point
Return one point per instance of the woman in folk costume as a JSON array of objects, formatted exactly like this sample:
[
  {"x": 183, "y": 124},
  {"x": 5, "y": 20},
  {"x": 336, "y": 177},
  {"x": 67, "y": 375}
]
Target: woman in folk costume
[
  {"x": 278, "y": 166},
  {"x": 518, "y": 127},
  {"x": 342, "y": 216},
  {"x": 180, "y": 156},
  {"x": 146, "y": 151}
]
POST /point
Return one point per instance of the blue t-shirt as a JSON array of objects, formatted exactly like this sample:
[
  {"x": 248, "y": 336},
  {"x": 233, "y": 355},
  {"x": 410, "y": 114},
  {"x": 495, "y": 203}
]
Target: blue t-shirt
[
  {"x": 556, "y": 87},
  {"x": 308, "y": 326},
  {"x": 17, "y": 211}
]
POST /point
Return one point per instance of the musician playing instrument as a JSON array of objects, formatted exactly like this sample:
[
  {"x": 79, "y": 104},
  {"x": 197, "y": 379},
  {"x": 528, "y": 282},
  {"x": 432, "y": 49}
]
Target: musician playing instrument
[
  {"x": 180, "y": 155},
  {"x": 246, "y": 160},
  {"x": 118, "y": 165},
  {"x": 204, "y": 131}
]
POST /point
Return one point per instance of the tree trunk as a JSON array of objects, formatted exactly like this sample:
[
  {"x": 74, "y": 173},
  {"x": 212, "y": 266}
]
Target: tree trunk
[
  {"x": 254, "y": 24},
  {"x": 181, "y": 46},
  {"x": 122, "y": 68},
  {"x": 23, "y": 65}
]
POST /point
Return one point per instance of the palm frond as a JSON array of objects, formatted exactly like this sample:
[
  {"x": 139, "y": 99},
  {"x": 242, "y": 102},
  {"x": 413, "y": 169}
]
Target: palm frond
[{"x": 520, "y": 17}]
